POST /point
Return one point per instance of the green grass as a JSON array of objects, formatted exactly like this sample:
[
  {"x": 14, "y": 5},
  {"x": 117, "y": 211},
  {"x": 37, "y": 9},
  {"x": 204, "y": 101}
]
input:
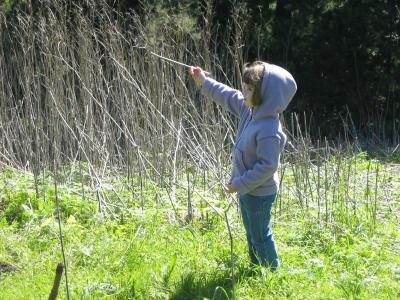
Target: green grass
[{"x": 149, "y": 254}]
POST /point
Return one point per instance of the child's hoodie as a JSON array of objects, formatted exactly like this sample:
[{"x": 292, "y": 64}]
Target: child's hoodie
[{"x": 259, "y": 139}]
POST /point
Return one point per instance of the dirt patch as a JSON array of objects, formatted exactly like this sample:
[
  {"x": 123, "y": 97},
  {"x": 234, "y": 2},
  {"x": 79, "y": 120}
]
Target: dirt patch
[{"x": 6, "y": 267}]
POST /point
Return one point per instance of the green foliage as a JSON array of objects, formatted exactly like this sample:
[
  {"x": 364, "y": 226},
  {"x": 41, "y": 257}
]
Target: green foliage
[
  {"x": 20, "y": 202},
  {"x": 146, "y": 254},
  {"x": 8, "y": 5},
  {"x": 151, "y": 258}
]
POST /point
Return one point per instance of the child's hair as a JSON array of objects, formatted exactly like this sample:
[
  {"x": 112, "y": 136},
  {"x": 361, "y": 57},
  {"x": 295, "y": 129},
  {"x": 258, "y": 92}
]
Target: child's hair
[{"x": 253, "y": 75}]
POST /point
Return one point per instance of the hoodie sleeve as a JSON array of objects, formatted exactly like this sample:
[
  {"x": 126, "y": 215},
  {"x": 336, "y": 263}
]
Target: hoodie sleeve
[
  {"x": 268, "y": 155},
  {"x": 225, "y": 96}
]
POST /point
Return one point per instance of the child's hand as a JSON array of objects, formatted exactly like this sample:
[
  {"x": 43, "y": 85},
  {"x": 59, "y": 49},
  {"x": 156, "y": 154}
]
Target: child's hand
[
  {"x": 198, "y": 75},
  {"x": 230, "y": 188}
]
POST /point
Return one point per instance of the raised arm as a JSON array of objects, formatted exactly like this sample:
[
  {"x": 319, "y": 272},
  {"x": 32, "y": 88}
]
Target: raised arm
[
  {"x": 229, "y": 98},
  {"x": 224, "y": 95}
]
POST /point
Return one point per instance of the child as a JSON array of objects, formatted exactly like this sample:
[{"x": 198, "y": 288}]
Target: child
[{"x": 267, "y": 91}]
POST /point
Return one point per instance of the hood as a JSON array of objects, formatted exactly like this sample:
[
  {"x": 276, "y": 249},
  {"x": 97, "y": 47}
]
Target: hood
[{"x": 277, "y": 90}]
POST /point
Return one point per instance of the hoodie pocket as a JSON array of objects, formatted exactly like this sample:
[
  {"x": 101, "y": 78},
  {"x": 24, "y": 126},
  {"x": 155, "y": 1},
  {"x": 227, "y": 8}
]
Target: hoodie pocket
[{"x": 238, "y": 161}]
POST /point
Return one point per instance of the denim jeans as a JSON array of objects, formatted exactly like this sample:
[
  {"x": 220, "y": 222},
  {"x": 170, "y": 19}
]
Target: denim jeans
[{"x": 256, "y": 214}]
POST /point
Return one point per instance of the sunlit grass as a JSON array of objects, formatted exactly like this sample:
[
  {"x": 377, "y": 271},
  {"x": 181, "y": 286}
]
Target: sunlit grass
[{"x": 155, "y": 254}]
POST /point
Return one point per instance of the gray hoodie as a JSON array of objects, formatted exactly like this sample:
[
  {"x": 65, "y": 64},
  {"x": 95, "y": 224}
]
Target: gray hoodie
[{"x": 259, "y": 139}]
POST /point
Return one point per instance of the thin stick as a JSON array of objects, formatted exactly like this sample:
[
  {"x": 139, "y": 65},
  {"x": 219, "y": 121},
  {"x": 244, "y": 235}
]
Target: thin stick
[
  {"x": 232, "y": 256},
  {"x": 175, "y": 62},
  {"x": 56, "y": 284},
  {"x": 59, "y": 227}
]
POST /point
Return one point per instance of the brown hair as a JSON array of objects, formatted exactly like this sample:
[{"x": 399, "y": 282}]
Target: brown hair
[{"x": 253, "y": 75}]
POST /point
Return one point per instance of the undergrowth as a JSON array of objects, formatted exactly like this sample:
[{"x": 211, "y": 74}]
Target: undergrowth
[{"x": 128, "y": 251}]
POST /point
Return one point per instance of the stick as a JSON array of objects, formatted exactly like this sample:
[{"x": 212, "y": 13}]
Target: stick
[
  {"x": 232, "y": 257},
  {"x": 60, "y": 230},
  {"x": 175, "y": 62},
  {"x": 57, "y": 280}
]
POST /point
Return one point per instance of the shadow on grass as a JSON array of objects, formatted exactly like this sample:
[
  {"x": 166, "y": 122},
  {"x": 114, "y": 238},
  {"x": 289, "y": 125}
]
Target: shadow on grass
[{"x": 217, "y": 285}]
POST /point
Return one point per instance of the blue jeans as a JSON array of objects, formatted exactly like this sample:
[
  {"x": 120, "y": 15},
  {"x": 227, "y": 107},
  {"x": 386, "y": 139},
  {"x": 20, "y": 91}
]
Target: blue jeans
[{"x": 256, "y": 214}]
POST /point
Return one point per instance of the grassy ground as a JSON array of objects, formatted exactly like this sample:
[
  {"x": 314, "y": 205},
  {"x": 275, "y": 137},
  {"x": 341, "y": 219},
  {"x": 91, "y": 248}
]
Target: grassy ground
[{"x": 148, "y": 254}]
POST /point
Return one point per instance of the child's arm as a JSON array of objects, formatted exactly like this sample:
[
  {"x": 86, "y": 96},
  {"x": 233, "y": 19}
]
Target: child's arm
[
  {"x": 268, "y": 153},
  {"x": 222, "y": 94}
]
